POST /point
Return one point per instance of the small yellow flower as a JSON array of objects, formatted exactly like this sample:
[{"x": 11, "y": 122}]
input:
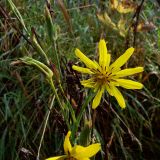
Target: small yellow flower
[
  {"x": 77, "y": 152},
  {"x": 123, "y": 6},
  {"x": 107, "y": 77}
]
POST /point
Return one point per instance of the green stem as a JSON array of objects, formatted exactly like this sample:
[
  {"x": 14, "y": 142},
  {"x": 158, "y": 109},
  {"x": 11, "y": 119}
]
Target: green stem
[
  {"x": 57, "y": 58},
  {"x": 45, "y": 125},
  {"x": 69, "y": 105},
  {"x": 39, "y": 49},
  {"x": 59, "y": 102},
  {"x": 75, "y": 128}
]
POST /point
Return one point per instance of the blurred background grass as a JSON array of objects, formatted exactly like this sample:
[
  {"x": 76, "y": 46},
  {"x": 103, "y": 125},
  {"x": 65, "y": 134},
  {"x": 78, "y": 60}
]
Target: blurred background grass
[{"x": 25, "y": 96}]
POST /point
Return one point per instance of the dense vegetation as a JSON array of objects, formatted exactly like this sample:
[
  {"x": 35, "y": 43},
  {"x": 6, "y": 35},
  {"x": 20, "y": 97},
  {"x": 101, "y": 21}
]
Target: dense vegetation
[{"x": 32, "y": 120}]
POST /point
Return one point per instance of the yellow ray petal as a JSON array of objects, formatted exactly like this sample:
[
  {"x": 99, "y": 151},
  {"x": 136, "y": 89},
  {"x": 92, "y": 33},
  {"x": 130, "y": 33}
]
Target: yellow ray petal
[
  {"x": 117, "y": 94},
  {"x": 97, "y": 98},
  {"x": 129, "y": 71},
  {"x": 113, "y": 71},
  {"x": 57, "y": 158},
  {"x": 104, "y": 57},
  {"x": 82, "y": 70},
  {"x": 89, "y": 63},
  {"x": 109, "y": 90},
  {"x": 98, "y": 66},
  {"x": 67, "y": 144},
  {"x": 129, "y": 84},
  {"x": 80, "y": 152},
  {"x": 108, "y": 60},
  {"x": 89, "y": 83},
  {"x": 122, "y": 59}
]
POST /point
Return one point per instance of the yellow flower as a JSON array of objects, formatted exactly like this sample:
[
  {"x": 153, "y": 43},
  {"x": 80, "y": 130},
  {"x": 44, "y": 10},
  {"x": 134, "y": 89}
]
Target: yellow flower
[
  {"x": 107, "y": 77},
  {"x": 77, "y": 152},
  {"x": 123, "y": 6}
]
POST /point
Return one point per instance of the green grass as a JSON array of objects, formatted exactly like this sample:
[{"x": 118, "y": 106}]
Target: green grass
[{"x": 26, "y": 96}]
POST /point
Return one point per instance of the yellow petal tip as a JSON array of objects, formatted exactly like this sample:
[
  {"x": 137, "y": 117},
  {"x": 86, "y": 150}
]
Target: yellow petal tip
[
  {"x": 73, "y": 67},
  {"x": 131, "y": 49},
  {"x": 102, "y": 40},
  {"x": 69, "y": 134},
  {"x": 141, "y": 86},
  {"x": 94, "y": 106},
  {"x": 123, "y": 107},
  {"x": 77, "y": 51}
]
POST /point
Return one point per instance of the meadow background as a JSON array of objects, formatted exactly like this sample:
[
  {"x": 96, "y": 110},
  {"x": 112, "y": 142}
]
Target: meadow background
[{"x": 31, "y": 120}]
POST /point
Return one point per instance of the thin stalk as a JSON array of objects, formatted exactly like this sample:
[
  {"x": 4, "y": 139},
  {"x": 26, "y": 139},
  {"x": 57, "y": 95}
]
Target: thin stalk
[
  {"x": 57, "y": 58},
  {"x": 45, "y": 125},
  {"x": 39, "y": 49},
  {"x": 69, "y": 105},
  {"x": 75, "y": 128},
  {"x": 133, "y": 137},
  {"x": 59, "y": 102}
]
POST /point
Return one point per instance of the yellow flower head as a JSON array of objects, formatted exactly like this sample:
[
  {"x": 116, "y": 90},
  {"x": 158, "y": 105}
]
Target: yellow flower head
[
  {"x": 77, "y": 152},
  {"x": 123, "y": 6},
  {"x": 107, "y": 77}
]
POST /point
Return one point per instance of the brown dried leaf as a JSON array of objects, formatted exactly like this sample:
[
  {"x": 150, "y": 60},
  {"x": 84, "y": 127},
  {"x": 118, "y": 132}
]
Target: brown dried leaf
[
  {"x": 65, "y": 13},
  {"x": 145, "y": 27}
]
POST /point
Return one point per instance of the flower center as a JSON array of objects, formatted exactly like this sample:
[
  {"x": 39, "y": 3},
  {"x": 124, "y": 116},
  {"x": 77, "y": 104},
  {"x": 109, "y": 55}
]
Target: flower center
[{"x": 102, "y": 78}]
